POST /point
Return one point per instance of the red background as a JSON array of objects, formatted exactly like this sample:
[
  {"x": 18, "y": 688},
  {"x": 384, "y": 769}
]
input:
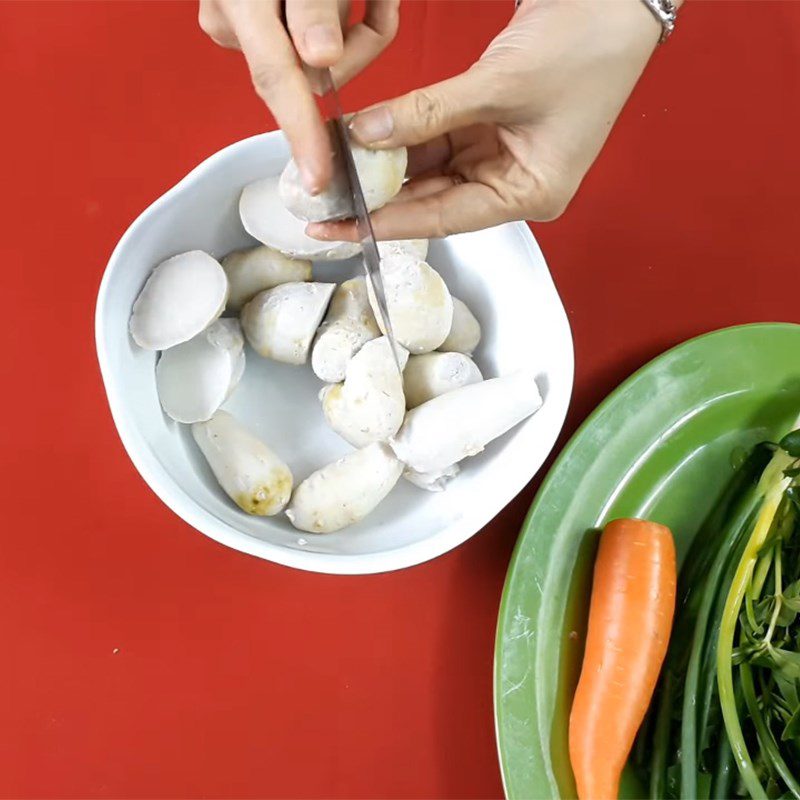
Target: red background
[{"x": 141, "y": 659}]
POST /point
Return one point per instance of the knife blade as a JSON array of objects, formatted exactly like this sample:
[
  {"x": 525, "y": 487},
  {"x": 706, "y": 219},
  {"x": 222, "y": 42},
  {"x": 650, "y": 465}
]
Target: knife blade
[{"x": 372, "y": 258}]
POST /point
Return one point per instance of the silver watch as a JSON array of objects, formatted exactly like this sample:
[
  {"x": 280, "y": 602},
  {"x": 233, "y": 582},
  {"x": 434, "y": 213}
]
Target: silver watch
[{"x": 666, "y": 12}]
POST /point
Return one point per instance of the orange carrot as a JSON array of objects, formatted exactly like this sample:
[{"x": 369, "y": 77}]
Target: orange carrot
[{"x": 630, "y": 618}]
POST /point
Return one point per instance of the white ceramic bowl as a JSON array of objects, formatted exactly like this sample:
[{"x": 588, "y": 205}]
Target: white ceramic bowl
[{"x": 500, "y": 273}]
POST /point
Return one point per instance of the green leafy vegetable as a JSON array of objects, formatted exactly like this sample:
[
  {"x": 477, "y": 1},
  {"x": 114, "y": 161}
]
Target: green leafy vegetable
[
  {"x": 791, "y": 443},
  {"x": 726, "y": 719}
]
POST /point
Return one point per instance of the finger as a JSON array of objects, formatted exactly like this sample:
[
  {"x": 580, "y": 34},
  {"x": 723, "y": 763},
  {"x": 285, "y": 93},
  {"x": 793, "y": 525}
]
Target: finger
[
  {"x": 467, "y": 207},
  {"x": 424, "y": 187},
  {"x": 280, "y": 83},
  {"x": 450, "y": 149},
  {"x": 315, "y": 30},
  {"x": 365, "y": 41},
  {"x": 429, "y": 155},
  {"x": 213, "y": 23},
  {"x": 427, "y": 113}
]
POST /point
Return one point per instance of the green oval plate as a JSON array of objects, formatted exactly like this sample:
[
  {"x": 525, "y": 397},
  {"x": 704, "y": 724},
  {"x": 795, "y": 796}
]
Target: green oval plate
[{"x": 661, "y": 447}]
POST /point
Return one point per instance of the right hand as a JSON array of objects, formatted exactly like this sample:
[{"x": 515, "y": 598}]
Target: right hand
[{"x": 318, "y": 34}]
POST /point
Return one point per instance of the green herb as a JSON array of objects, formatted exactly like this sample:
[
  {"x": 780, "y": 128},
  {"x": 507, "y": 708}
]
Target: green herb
[
  {"x": 791, "y": 444},
  {"x": 726, "y": 718}
]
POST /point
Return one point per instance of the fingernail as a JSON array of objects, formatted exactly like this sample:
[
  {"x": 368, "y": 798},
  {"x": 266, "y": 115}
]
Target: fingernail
[
  {"x": 374, "y": 125},
  {"x": 321, "y": 41}
]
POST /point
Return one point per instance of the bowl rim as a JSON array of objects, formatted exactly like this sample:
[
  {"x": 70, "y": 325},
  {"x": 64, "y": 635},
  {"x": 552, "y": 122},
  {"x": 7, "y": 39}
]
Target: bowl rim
[{"x": 165, "y": 488}]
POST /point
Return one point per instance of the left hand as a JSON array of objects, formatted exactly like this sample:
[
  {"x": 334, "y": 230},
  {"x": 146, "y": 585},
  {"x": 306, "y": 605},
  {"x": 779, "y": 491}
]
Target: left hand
[{"x": 513, "y": 136}]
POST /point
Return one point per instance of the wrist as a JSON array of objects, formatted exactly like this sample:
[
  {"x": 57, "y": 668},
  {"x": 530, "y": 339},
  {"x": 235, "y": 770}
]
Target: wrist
[{"x": 631, "y": 22}]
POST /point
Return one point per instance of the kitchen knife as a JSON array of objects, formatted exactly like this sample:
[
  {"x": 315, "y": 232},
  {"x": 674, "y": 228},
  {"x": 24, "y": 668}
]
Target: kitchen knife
[{"x": 372, "y": 259}]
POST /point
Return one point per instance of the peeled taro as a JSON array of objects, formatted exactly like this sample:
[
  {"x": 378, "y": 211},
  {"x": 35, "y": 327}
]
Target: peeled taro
[
  {"x": 249, "y": 472},
  {"x": 414, "y": 247},
  {"x": 432, "y": 481},
  {"x": 461, "y": 423},
  {"x": 280, "y": 323},
  {"x": 348, "y": 325},
  {"x": 265, "y": 218},
  {"x": 369, "y": 405},
  {"x": 419, "y": 304},
  {"x": 428, "y": 375},
  {"x": 465, "y": 330},
  {"x": 255, "y": 269},
  {"x": 182, "y": 297},
  {"x": 381, "y": 173},
  {"x": 195, "y": 378},
  {"x": 345, "y": 491}
]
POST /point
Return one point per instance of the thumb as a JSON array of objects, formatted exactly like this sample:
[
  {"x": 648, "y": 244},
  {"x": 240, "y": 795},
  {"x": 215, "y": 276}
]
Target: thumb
[{"x": 426, "y": 113}]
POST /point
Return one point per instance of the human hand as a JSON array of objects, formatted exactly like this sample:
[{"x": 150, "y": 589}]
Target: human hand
[
  {"x": 317, "y": 33},
  {"x": 512, "y": 137}
]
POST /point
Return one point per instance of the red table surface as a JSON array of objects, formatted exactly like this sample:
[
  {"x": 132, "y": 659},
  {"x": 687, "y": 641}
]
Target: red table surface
[{"x": 141, "y": 659}]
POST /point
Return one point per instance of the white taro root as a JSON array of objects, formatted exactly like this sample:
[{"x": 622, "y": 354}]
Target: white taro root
[
  {"x": 280, "y": 323},
  {"x": 265, "y": 218},
  {"x": 182, "y": 297},
  {"x": 195, "y": 378},
  {"x": 432, "y": 481},
  {"x": 348, "y": 325},
  {"x": 465, "y": 332},
  {"x": 419, "y": 304},
  {"x": 381, "y": 173},
  {"x": 461, "y": 423},
  {"x": 369, "y": 405},
  {"x": 250, "y": 473},
  {"x": 428, "y": 375},
  {"x": 414, "y": 247},
  {"x": 258, "y": 268},
  {"x": 345, "y": 491}
]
